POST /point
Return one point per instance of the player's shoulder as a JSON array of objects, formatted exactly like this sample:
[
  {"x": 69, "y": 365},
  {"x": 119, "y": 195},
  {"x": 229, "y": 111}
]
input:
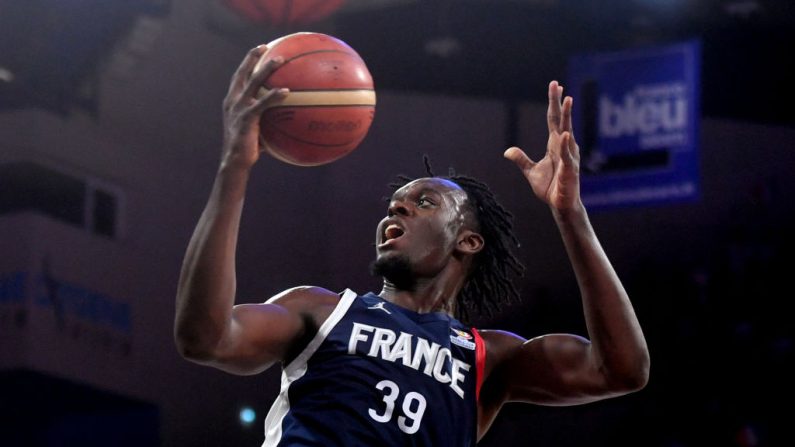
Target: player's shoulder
[
  {"x": 499, "y": 342},
  {"x": 305, "y": 296},
  {"x": 500, "y": 346},
  {"x": 504, "y": 347}
]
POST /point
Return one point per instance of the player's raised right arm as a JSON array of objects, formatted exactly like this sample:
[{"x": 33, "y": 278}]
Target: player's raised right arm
[{"x": 208, "y": 328}]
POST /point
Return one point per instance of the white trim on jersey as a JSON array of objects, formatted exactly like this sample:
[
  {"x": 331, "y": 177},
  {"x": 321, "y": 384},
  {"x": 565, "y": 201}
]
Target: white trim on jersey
[{"x": 297, "y": 368}]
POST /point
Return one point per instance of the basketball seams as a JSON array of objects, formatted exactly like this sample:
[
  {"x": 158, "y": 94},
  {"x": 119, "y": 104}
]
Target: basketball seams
[
  {"x": 267, "y": 85},
  {"x": 312, "y": 143},
  {"x": 331, "y": 89},
  {"x": 263, "y": 90},
  {"x": 325, "y": 50},
  {"x": 331, "y": 106},
  {"x": 323, "y": 98}
]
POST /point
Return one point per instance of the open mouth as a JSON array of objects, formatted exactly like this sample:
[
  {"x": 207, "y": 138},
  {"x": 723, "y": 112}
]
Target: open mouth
[{"x": 392, "y": 231}]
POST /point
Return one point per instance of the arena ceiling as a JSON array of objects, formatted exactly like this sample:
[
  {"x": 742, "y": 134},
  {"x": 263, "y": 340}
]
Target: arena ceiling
[
  {"x": 507, "y": 49},
  {"x": 511, "y": 49}
]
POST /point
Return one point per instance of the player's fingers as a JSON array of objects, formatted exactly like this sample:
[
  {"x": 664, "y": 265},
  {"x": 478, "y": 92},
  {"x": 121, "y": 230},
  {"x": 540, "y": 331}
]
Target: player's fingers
[
  {"x": 569, "y": 151},
  {"x": 553, "y": 110},
  {"x": 258, "y": 78},
  {"x": 268, "y": 99},
  {"x": 565, "y": 122},
  {"x": 243, "y": 71},
  {"x": 574, "y": 148},
  {"x": 566, "y": 156},
  {"x": 519, "y": 158}
]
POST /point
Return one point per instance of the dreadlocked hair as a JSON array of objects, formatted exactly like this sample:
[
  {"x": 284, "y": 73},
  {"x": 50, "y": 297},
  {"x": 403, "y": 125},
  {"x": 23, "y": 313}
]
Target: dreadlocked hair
[{"x": 489, "y": 285}]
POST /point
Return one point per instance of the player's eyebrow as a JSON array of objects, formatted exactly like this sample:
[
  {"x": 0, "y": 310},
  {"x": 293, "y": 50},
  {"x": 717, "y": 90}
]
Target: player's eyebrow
[{"x": 429, "y": 191}]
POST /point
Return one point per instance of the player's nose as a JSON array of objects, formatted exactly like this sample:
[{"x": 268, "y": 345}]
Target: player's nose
[{"x": 397, "y": 207}]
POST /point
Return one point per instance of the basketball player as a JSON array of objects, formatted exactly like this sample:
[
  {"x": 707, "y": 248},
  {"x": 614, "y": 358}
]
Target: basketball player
[{"x": 396, "y": 368}]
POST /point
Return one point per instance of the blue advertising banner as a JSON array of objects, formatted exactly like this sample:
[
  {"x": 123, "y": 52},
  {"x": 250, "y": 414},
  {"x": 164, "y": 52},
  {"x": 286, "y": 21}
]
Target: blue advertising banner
[{"x": 636, "y": 118}]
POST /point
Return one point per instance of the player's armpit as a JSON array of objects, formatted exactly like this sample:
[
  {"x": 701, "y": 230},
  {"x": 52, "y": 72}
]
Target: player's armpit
[
  {"x": 493, "y": 392},
  {"x": 260, "y": 335}
]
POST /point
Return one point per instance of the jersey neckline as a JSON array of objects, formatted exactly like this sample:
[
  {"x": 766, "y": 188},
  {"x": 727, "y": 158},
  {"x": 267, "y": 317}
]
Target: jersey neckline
[{"x": 416, "y": 316}]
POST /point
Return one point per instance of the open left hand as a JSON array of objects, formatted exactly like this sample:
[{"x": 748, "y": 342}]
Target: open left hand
[{"x": 555, "y": 179}]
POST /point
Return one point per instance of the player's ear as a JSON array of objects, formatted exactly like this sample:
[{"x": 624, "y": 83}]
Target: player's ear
[{"x": 469, "y": 242}]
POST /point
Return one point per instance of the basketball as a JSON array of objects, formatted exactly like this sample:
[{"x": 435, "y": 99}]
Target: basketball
[{"x": 331, "y": 103}]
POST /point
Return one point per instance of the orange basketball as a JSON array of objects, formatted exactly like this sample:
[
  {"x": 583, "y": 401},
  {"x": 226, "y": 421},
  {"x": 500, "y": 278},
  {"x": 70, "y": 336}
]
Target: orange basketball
[{"x": 330, "y": 106}]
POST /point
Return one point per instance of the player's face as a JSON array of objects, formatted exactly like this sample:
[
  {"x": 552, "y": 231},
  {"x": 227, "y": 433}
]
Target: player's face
[{"x": 422, "y": 224}]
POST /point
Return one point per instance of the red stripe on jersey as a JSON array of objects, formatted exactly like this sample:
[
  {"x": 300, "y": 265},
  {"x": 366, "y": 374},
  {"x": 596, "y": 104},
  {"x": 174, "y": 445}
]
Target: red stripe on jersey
[{"x": 480, "y": 361}]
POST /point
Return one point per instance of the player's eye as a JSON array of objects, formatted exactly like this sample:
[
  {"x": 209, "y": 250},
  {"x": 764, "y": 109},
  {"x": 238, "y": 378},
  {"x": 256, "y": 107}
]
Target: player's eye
[{"x": 424, "y": 201}]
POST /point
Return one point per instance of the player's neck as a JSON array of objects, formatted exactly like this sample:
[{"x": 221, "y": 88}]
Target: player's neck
[{"x": 425, "y": 297}]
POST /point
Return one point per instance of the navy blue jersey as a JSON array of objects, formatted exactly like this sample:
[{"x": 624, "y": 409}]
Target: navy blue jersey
[{"x": 380, "y": 374}]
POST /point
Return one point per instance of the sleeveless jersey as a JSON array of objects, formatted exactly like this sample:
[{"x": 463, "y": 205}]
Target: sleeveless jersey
[{"x": 379, "y": 374}]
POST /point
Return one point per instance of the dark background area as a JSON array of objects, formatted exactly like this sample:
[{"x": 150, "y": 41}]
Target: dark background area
[{"x": 506, "y": 48}]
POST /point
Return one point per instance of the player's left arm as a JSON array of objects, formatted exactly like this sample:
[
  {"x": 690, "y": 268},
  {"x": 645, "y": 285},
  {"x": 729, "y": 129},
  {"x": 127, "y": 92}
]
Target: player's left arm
[{"x": 563, "y": 369}]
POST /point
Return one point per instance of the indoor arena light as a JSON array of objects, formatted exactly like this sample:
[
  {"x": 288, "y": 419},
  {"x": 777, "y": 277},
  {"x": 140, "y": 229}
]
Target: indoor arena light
[{"x": 284, "y": 12}]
